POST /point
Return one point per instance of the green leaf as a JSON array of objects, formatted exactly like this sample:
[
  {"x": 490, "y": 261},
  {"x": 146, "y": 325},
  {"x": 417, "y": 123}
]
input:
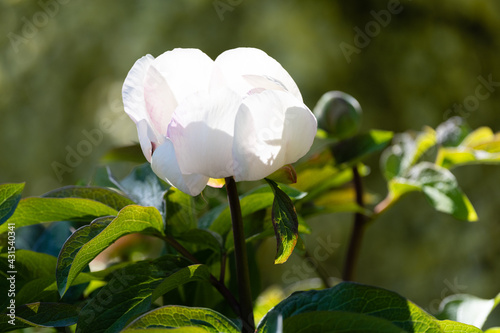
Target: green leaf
[
  {"x": 338, "y": 321},
  {"x": 174, "y": 316},
  {"x": 143, "y": 187},
  {"x": 104, "y": 195},
  {"x": 348, "y": 297},
  {"x": 493, "y": 330},
  {"x": 88, "y": 241},
  {"x": 180, "y": 211},
  {"x": 182, "y": 276},
  {"x": 191, "y": 329},
  {"x": 10, "y": 194},
  {"x": 406, "y": 152},
  {"x": 285, "y": 223},
  {"x": 41, "y": 210},
  {"x": 202, "y": 238},
  {"x": 480, "y": 146},
  {"x": 40, "y": 315},
  {"x": 354, "y": 149},
  {"x": 132, "y": 153},
  {"x": 439, "y": 186},
  {"x": 44, "y": 289},
  {"x": 258, "y": 199},
  {"x": 467, "y": 309},
  {"x": 127, "y": 294}
]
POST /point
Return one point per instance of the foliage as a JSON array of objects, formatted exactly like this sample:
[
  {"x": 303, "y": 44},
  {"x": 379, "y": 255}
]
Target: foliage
[{"x": 190, "y": 285}]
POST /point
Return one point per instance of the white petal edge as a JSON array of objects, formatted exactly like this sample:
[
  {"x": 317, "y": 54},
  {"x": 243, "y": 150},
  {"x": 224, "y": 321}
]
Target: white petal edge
[
  {"x": 164, "y": 164},
  {"x": 133, "y": 89},
  {"x": 272, "y": 129},
  {"x": 246, "y": 61},
  {"x": 202, "y": 130},
  {"x": 186, "y": 71}
]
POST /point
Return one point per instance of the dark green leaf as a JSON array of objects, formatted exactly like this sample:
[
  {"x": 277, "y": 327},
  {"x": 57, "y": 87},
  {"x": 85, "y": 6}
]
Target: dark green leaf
[
  {"x": 131, "y": 153},
  {"x": 143, "y": 187},
  {"x": 354, "y": 149},
  {"x": 285, "y": 223},
  {"x": 40, "y": 315},
  {"x": 202, "y": 238},
  {"x": 182, "y": 276},
  {"x": 180, "y": 211},
  {"x": 104, "y": 195},
  {"x": 10, "y": 194},
  {"x": 180, "y": 317},
  {"x": 40, "y": 210},
  {"x": 338, "y": 321},
  {"x": 259, "y": 198},
  {"x": 127, "y": 294},
  {"x": 88, "y": 241},
  {"x": 360, "y": 299}
]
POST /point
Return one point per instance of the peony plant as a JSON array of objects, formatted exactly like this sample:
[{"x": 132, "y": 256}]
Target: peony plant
[{"x": 154, "y": 252}]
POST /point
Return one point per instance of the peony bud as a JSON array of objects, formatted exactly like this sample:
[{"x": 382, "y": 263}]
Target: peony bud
[{"x": 339, "y": 114}]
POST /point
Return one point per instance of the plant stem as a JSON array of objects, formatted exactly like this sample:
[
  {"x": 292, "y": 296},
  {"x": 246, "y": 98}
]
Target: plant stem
[
  {"x": 240, "y": 252},
  {"x": 357, "y": 231},
  {"x": 221, "y": 288}
]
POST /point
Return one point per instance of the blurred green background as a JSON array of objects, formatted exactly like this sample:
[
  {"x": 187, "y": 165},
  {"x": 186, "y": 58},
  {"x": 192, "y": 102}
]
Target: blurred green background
[{"x": 63, "y": 62}]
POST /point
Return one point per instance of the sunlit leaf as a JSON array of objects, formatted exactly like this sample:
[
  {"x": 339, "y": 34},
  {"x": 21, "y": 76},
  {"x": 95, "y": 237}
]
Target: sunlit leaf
[
  {"x": 174, "y": 316},
  {"x": 480, "y": 146},
  {"x": 285, "y": 223},
  {"x": 88, "y": 241},
  {"x": 10, "y": 194},
  {"x": 104, "y": 195},
  {"x": 384, "y": 306},
  {"x": 439, "y": 186},
  {"x": 36, "y": 210}
]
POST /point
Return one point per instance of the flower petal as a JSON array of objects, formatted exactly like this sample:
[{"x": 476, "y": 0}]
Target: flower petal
[
  {"x": 202, "y": 133},
  {"x": 185, "y": 70},
  {"x": 272, "y": 129},
  {"x": 160, "y": 101},
  {"x": 148, "y": 138},
  {"x": 133, "y": 89},
  {"x": 241, "y": 65},
  {"x": 164, "y": 164}
]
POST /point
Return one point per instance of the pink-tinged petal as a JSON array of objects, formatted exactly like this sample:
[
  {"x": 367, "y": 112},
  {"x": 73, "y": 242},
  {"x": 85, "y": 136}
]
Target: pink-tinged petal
[
  {"x": 160, "y": 101},
  {"x": 241, "y": 64},
  {"x": 148, "y": 138},
  {"x": 133, "y": 89},
  {"x": 272, "y": 129},
  {"x": 202, "y": 133},
  {"x": 185, "y": 70},
  {"x": 164, "y": 164}
]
